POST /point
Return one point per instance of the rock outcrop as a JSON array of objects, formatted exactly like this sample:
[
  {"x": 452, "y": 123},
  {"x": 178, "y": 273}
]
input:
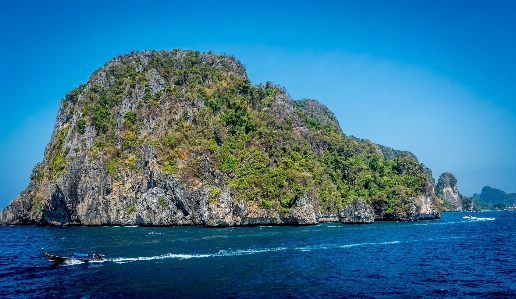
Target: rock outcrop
[
  {"x": 416, "y": 208},
  {"x": 159, "y": 138},
  {"x": 468, "y": 204},
  {"x": 447, "y": 189},
  {"x": 358, "y": 211}
]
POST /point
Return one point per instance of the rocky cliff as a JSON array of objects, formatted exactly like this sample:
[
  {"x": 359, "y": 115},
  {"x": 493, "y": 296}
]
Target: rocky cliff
[
  {"x": 447, "y": 189},
  {"x": 182, "y": 138}
]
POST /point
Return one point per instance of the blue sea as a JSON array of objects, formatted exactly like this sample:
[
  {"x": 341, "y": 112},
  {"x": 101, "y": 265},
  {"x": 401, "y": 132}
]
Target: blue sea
[{"x": 451, "y": 257}]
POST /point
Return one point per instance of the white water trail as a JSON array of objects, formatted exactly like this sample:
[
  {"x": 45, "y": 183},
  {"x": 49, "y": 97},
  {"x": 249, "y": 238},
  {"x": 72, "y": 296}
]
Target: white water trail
[{"x": 226, "y": 253}]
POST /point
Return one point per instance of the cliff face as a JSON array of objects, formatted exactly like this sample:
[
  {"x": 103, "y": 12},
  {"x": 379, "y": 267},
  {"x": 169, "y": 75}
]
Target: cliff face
[
  {"x": 182, "y": 138},
  {"x": 468, "y": 204},
  {"x": 446, "y": 189}
]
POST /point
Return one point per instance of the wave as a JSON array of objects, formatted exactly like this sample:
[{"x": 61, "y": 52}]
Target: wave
[
  {"x": 122, "y": 260},
  {"x": 73, "y": 262},
  {"x": 228, "y": 253}
]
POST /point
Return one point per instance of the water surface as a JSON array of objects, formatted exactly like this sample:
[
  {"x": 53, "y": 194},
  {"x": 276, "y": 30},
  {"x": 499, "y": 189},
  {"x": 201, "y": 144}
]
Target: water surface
[{"x": 451, "y": 257}]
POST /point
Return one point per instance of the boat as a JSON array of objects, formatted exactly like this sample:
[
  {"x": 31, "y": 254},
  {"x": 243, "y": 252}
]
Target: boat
[
  {"x": 80, "y": 257},
  {"x": 468, "y": 216}
]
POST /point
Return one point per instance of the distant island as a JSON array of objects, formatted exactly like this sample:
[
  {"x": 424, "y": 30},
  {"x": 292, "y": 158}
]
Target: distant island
[
  {"x": 490, "y": 199},
  {"x": 182, "y": 138}
]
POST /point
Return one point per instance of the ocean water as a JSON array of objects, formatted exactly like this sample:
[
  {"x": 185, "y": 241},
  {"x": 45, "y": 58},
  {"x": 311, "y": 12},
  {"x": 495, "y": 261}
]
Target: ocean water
[{"x": 451, "y": 257}]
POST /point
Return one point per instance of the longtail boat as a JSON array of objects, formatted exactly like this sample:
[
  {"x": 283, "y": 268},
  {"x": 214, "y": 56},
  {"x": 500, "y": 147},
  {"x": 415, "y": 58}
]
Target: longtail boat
[{"x": 84, "y": 258}]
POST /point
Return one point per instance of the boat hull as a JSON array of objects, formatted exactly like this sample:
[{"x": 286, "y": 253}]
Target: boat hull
[{"x": 61, "y": 259}]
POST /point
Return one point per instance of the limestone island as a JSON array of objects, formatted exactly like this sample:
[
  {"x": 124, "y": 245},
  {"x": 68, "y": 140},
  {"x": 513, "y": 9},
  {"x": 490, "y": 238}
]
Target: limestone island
[{"x": 162, "y": 138}]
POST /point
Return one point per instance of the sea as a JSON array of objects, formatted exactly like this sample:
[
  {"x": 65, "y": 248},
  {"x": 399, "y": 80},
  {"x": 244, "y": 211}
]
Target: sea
[{"x": 451, "y": 257}]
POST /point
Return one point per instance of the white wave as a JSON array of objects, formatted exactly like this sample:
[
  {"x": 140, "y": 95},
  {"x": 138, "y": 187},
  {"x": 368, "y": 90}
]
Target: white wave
[
  {"x": 338, "y": 246},
  {"x": 446, "y": 222},
  {"x": 239, "y": 252},
  {"x": 72, "y": 262},
  {"x": 221, "y": 253},
  {"x": 123, "y": 260},
  {"x": 249, "y": 251}
]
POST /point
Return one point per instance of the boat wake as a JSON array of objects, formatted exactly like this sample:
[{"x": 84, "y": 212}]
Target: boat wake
[
  {"x": 469, "y": 217},
  {"x": 227, "y": 253},
  {"x": 73, "y": 262}
]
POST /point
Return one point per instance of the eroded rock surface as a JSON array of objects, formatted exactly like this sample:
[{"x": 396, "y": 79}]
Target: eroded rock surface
[
  {"x": 447, "y": 189},
  {"x": 358, "y": 211}
]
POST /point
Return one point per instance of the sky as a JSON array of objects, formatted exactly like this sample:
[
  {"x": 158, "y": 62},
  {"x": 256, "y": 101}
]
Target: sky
[{"x": 437, "y": 78}]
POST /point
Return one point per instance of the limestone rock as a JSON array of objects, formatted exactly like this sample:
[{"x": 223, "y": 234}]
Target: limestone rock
[
  {"x": 303, "y": 211},
  {"x": 159, "y": 138},
  {"x": 447, "y": 189},
  {"x": 421, "y": 207},
  {"x": 154, "y": 208},
  {"x": 358, "y": 211},
  {"x": 219, "y": 212},
  {"x": 426, "y": 208}
]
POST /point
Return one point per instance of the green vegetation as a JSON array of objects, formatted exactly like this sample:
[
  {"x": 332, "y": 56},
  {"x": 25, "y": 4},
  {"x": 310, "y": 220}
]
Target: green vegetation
[
  {"x": 129, "y": 140},
  {"x": 170, "y": 141},
  {"x": 40, "y": 175},
  {"x": 162, "y": 201},
  {"x": 111, "y": 168},
  {"x": 168, "y": 167},
  {"x": 130, "y": 117},
  {"x": 57, "y": 160},
  {"x": 130, "y": 161},
  {"x": 131, "y": 209},
  {"x": 37, "y": 203},
  {"x": 213, "y": 193},
  {"x": 73, "y": 96},
  {"x": 58, "y": 165},
  {"x": 480, "y": 204},
  {"x": 101, "y": 119},
  {"x": 448, "y": 206},
  {"x": 81, "y": 125}
]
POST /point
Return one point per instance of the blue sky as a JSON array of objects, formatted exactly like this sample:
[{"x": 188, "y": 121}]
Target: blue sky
[{"x": 437, "y": 78}]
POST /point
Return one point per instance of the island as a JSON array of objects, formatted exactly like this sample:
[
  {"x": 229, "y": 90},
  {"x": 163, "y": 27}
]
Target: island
[{"x": 180, "y": 137}]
